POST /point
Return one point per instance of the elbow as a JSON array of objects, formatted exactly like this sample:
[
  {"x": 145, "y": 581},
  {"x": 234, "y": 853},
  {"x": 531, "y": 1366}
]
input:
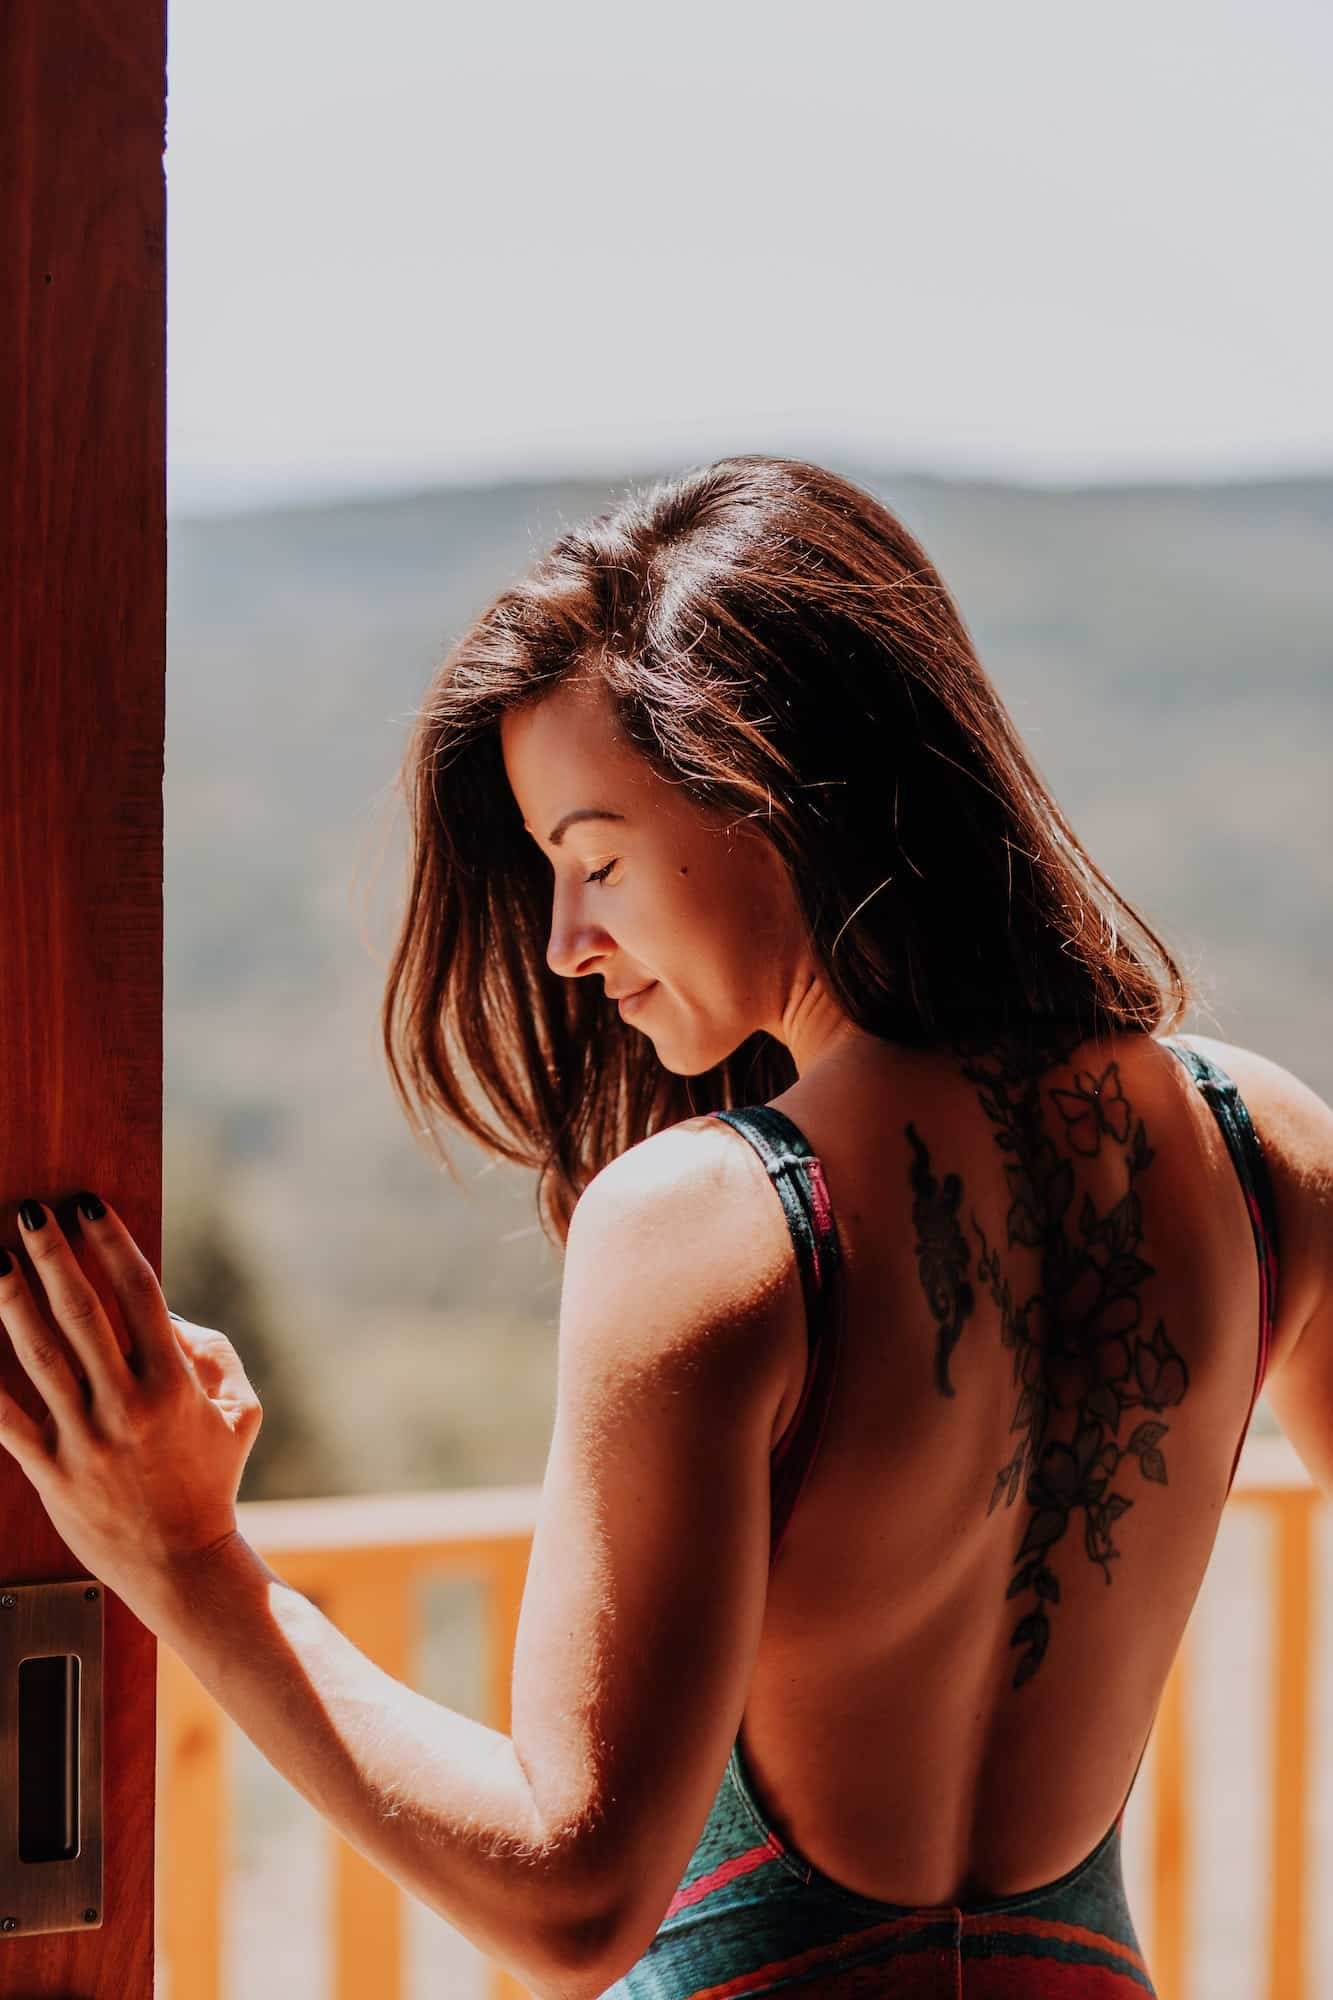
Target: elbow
[
  {"x": 571, "y": 1962},
  {"x": 597, "y": 1952},
  {"x": 600, "y": 1911},
  {"x": 587, "y": 1978},
  {"x": 590, "y": 1949},
  {"x": 582, "y": 1966},
  {"x": 562, "y": 1961}
]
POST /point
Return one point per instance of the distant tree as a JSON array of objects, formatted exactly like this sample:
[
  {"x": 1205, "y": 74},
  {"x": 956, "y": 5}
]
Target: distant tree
[{"x": 207, "y": 1278}]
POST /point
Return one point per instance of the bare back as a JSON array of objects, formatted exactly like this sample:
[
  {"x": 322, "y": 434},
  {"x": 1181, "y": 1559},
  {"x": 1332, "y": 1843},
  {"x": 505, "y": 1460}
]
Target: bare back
[{"x": 963, "y": 1651}]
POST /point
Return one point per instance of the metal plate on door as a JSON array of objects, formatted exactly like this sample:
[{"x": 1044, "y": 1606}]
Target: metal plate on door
[{"x": 50, "y": 1757}]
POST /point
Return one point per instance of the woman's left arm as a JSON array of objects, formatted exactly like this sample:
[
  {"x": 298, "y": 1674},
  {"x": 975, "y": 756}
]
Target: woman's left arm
[
  {"x": 554, "y": 1849},
  {"x": 436, "y": 1800}
]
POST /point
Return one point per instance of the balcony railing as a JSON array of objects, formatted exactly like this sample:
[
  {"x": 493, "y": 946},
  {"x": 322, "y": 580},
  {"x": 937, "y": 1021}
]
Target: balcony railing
[{"x": 364, "y": 1559}]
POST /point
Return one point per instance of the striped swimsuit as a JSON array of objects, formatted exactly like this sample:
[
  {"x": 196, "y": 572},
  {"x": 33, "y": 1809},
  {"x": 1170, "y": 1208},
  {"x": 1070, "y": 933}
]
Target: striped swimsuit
[{"x": 752, "y": 1916}]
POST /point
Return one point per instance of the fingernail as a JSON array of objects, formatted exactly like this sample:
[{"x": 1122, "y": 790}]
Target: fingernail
[
  {"x": 90, "y": 1206},
  {"x": 32, "y": 1215}
]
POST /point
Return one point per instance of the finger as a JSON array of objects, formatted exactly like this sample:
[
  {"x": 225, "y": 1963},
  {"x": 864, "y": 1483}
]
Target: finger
[
  {"x": 194, "y": 1353},
  {"x": 19, "y": 1435},
  {"x": 212, "y": 1352},
  {"x": 135, "y": 1288},
  {"x": 41, "y": 1353},
  {"x": 74, "y": 1304}
]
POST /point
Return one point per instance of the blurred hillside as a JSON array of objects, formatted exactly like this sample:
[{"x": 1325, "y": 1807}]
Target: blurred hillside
[{"x": 1165, "y": 651}]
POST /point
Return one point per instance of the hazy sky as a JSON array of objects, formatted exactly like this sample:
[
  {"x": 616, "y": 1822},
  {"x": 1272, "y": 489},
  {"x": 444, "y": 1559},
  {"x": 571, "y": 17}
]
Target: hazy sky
[{"x": 412, "y": 241}]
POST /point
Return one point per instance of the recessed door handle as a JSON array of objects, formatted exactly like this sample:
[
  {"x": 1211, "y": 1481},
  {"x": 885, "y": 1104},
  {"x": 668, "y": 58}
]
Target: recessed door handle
[{"x": 50, "y": 1757}]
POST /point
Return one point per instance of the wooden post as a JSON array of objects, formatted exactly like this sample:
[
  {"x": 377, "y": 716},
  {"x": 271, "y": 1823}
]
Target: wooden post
[
  {"x": 507, "y": 1578},
  {"x": 1293, "y": 1615},
  {"x": 1172, "y": 1954},
  {"x": 82, "y": 700}
]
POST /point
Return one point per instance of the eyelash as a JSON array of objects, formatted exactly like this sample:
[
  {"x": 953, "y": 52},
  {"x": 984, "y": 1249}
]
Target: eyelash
[{"x": 601, "y": 874}]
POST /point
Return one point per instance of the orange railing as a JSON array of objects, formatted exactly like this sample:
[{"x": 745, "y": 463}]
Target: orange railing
[
  {"x": 363, "y": 1559},
  {"x": 1272, "y": 1485}
]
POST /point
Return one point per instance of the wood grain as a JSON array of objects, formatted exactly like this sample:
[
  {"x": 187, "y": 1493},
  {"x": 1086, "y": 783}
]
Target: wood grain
[{"x": 82, "y": 711}]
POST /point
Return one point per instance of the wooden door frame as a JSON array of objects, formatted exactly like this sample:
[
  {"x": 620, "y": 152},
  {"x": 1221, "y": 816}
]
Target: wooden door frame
[{"x": 82, "y": 715}]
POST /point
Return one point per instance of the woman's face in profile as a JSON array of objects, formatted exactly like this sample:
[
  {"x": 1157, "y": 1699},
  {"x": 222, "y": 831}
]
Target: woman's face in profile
[{"x": 666, "y": 895}]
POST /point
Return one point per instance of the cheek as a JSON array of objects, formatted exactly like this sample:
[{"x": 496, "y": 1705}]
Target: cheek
[
  {"x": 715, "y": 906},
  {"x": 745, "y": 919},
  {"x": 757, "y": 892}
]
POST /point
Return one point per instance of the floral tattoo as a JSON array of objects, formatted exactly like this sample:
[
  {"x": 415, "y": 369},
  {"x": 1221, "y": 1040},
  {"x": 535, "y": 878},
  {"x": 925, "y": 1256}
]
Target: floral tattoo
[{"x": 1082, "y": 1363}]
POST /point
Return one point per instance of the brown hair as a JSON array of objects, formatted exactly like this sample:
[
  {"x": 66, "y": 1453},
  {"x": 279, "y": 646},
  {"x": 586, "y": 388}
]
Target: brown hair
[{"x": 772, "y": 637}]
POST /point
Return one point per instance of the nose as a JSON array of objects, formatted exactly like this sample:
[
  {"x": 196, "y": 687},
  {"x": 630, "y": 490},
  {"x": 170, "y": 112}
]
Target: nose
[{"x": 576, "y": 945}]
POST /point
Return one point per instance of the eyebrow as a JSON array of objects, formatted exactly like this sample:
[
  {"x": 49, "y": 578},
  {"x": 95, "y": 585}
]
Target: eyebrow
[{"x": 557, "y": 833}]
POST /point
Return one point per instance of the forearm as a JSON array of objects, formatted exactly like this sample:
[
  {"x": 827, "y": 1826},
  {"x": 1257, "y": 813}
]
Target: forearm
[{"x": 436, "y": 1800}]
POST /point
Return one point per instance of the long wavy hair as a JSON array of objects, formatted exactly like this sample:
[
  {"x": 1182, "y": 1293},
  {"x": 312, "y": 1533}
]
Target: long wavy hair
[{"x": 772, "y": 638}]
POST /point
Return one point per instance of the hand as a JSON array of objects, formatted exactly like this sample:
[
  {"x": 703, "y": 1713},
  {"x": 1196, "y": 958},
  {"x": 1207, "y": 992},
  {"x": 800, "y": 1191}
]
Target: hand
[{"x": 140, "y": 1454}]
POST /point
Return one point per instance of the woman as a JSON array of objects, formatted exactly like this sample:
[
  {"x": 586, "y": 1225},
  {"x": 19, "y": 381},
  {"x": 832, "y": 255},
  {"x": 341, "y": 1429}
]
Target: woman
[{"x": 738, "y": 911}]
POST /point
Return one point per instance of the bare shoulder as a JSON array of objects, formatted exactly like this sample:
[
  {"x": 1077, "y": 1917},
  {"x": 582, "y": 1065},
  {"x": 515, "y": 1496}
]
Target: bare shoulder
[
  {"x": 696, "y": 1175},
  {"x": 1295, "y": 1127},
  {"x": 684, "y": 1235}
]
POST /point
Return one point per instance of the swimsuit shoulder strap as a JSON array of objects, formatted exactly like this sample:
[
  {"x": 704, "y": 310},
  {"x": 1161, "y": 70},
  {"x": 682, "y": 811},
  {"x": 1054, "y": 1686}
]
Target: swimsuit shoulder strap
[
  {"x": 797, "y": 1173},
  {"x": 1229, "y": 1108}
]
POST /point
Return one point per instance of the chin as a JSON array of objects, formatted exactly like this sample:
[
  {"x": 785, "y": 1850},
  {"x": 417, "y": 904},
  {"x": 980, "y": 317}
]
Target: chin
[{"x": 697, "y": 1061}]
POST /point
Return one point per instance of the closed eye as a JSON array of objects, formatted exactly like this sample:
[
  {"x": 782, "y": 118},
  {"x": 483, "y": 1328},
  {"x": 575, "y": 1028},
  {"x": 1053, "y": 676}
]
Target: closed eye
[{"x": 601, "y": 874}]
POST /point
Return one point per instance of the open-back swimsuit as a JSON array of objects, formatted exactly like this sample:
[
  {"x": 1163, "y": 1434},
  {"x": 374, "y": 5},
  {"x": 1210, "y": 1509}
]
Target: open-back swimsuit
[{"x": 754, "y": 1916}]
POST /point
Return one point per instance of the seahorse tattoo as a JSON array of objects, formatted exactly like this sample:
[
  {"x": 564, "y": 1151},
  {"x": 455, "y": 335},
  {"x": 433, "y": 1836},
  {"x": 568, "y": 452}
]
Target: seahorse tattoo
[{"x": 1081, "y": 1360}]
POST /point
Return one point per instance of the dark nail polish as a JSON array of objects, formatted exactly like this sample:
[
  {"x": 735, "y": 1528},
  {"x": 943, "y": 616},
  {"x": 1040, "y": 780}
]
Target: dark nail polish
[
  {"x": 6, "y": 1263},
  {"x": 32, "y": 1215},
  {"x": 90, "y": 1206}
]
